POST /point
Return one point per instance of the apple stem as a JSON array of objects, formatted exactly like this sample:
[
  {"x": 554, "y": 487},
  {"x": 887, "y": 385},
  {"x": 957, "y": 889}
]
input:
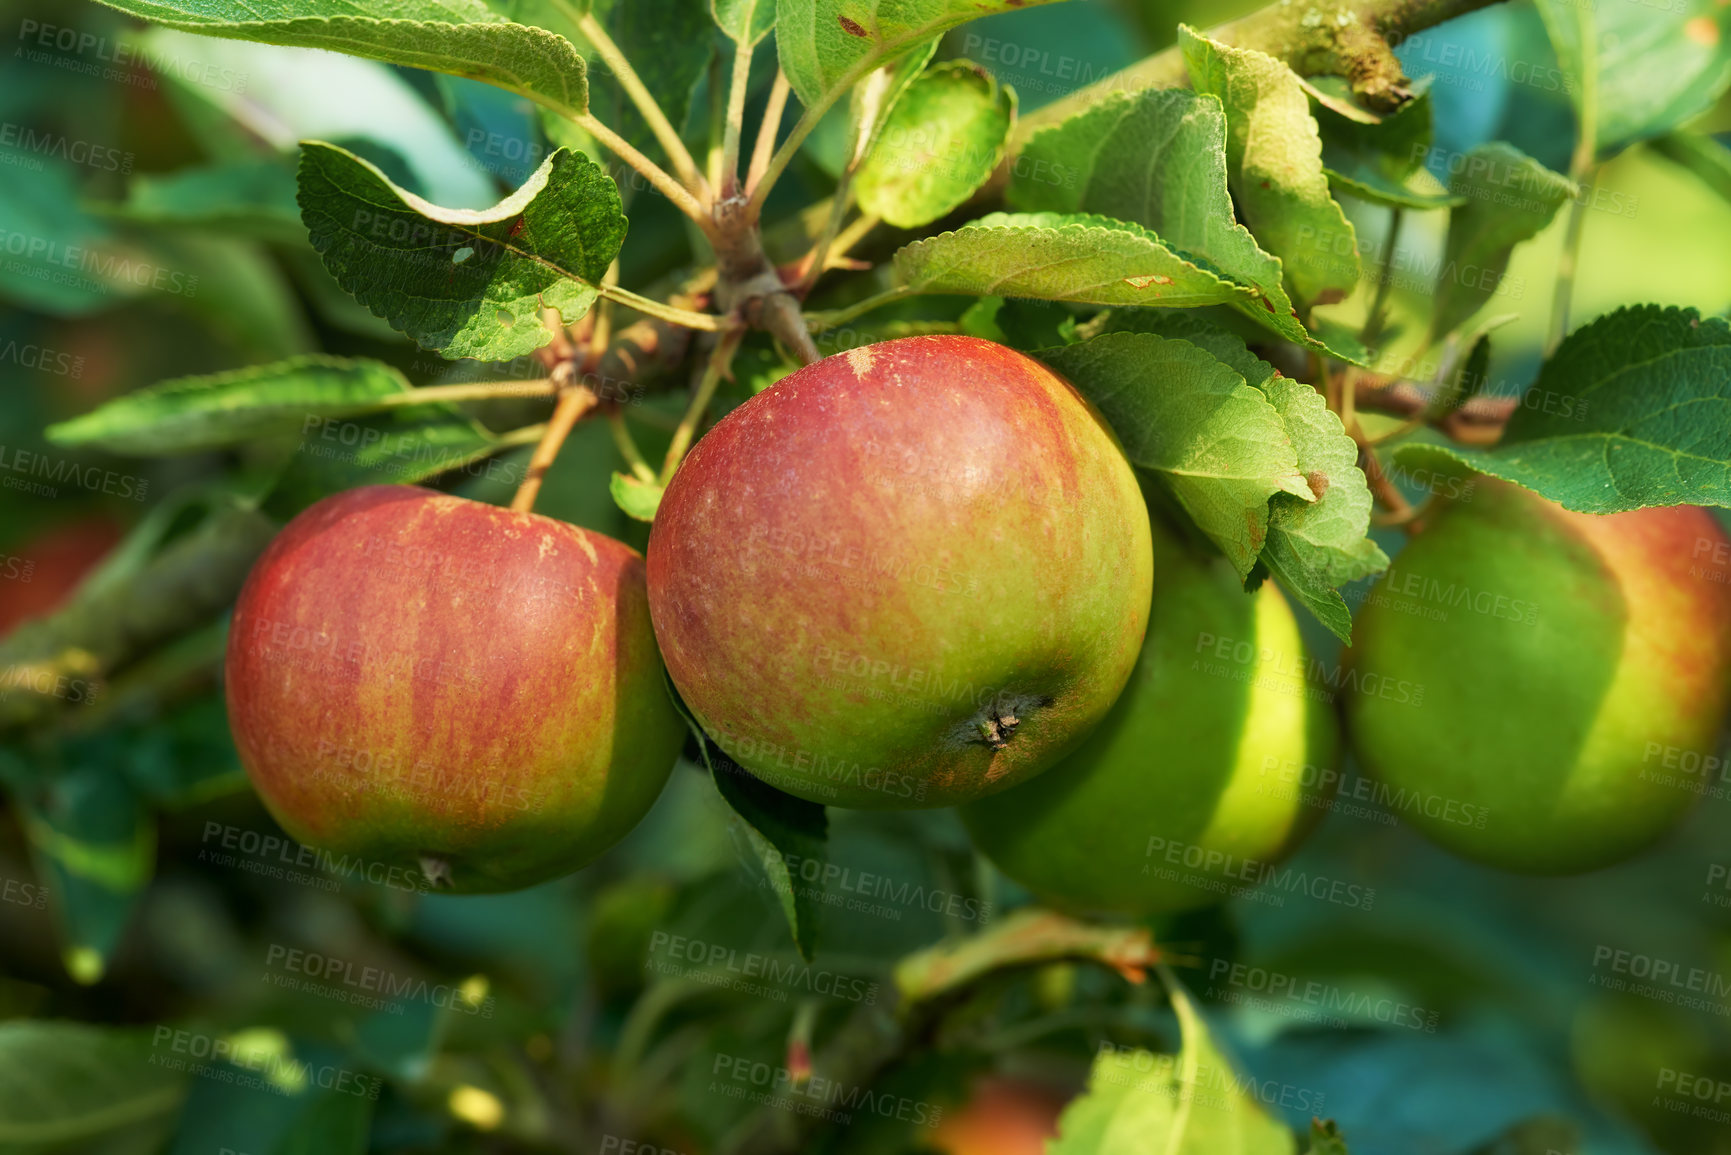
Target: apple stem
[
  {"x": 715, "y": 368},
  {"x": 574, "y": 402},
  {"x": 437, "y": 871}
]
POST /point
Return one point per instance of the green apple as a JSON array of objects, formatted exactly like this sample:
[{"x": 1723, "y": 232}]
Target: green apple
[
  {"x": 1213, "y": 764},
  {"x": 904, "y": 576},
  {"x": 1575, "y": 670},
  {"x": 425, "y": 685}
]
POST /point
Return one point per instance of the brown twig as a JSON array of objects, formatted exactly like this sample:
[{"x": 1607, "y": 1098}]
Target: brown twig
[
  {"x": 574, "y": 402},
  {"x": 1384, "y": 490},
  {"x": 1306, "y": 36},
  {"x": 1479, "y": 421},
  {"x": 764, "y": 148}
]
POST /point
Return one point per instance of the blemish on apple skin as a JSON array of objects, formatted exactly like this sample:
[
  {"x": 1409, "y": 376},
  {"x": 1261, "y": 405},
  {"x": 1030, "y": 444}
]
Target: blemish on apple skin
[
  {"x": 860, "y": 360},
  {"x": 850, "y": 27}
]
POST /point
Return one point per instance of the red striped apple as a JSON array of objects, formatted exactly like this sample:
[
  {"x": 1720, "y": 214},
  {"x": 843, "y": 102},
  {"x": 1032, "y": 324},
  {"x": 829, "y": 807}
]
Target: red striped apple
[
  {"x": 909, "y": 575},
  {"x": 428, "y": 683}
]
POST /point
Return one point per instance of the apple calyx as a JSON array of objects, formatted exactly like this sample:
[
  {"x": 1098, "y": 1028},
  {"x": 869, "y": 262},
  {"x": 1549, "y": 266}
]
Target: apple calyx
[
  {"x": 437, "y": 871},
  {"x": 998, "y": 729},
  {"x": 997, "y": 722}
]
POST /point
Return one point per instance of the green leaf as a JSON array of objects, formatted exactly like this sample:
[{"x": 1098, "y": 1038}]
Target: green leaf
[
  {"x": 1702, "y": 155},
  {"x": 779, "y": 828},
  {"x": 247, "y": 101},
  {"x": 637, "y": 498},
  {"x": 64, "y": 1084},
  {"x": 1274, "y": 163},
  {"x": 191, "y": 414},
  {"x": 66, "y": 262},
  {"x": 1325, "y": 1139},
  {"x": 1062, "y": 257},
  {"x": 1646, "y": 68},
  {"x": 243, "y": 298},
  {"x": 462, "y": 37},
  {"x": 94, "y": 844},
  {"x": 940, "y": 143},
  {"x": 465, "y": 283},
  {"x": 1508, "y": 198},
  {"x": 1158, "y": 158},
  {"x": 1318, "y": 545},
  {"x": 1191, "y": 1103},
  {"x": 253, "y": 198},
  {"x": 828, "y": 45},
  {"x": 1312, "y": 546},
  {"x": 669, "y": 44},
  {"x": 744, "y": 21},
  {"x": 874, "y": 98},
  {"x": 1635, "y": 410},
  {"x": 1217, "y": 442},
  {"x": 393, "y": 449},
  {"x": 1377, "y": 162},
  {"x": 334, "y": 1123}
]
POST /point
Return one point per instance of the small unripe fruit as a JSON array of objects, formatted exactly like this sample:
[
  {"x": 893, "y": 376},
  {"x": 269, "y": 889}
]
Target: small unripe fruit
[
  {"x": 438, "y": 687},
  {"x": 1576, "y": 670},
  {"x": 37, "y": 578},
  {"x": 905, "y": 576},
  {"x": 1210, "y": 768}
]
